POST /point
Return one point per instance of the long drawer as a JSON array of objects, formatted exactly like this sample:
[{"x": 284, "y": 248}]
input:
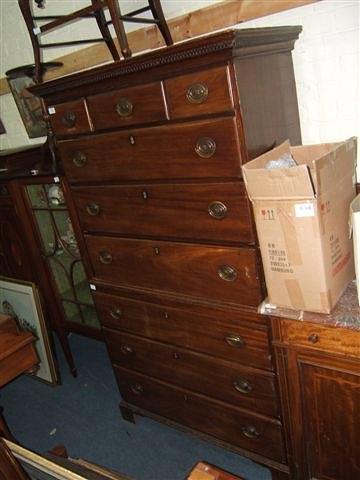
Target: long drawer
[
  {"x": 187, "y": 150},
  {"x": 223, "y": 421},
  {"x": 227, "y": 274},
  {"x": 231, "y": 382},
  {"x": 210, "y": 330},
  {"x": 215, "y": 212}
]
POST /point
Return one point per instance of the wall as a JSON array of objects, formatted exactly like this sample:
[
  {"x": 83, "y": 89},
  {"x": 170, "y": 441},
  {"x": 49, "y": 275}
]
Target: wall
[{"x": 326, "y": 62}]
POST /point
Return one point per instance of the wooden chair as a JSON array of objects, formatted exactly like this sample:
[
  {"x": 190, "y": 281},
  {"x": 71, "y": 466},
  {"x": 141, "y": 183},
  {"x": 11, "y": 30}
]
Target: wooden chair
[{"x": 94, "y": 10}]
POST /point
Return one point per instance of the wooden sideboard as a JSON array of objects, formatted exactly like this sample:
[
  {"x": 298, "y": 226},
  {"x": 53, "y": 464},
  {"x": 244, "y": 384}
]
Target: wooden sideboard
[{"x": 318, "y": 360}]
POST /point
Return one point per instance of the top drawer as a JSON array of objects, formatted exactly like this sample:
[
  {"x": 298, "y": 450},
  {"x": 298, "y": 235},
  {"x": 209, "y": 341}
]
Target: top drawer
[
  {"x": 199, "y": 93},
  {"x": 319, "y": 337},
  {"x": 69, "y": 118},
  {"x": 128, "y": 106}
]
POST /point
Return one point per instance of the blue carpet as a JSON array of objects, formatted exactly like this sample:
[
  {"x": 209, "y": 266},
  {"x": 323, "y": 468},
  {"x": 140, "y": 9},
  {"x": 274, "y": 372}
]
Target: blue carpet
[{"x": 83, "y": 415}]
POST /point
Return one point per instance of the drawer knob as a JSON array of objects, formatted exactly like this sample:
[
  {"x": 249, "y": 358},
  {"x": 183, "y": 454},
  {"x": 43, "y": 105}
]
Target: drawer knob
[
  {"x": 313, "y": 338},
  {"x": 217, "y": 210},
  {"x": 166, "y": 315},
  {"x": 115, "y": 313},
  {"x": 105, "y": 258},
  {"x": 235, "y": 341},
  {"x": 227, "y": 273},
  {"x": 79, "y": 159},
  {"x": 93, "y": 209},
  {"x": 68, "y": 119},
  {"x": 197, "y": 93},
  {"x": 126, "y": 350},
  {"x": 242, "y": 386},
  {"x": 250, "y": 431},
  {"x": 205, "y": 147},
  {"x": 124, "y": 107},
  {"x": 137, "y": 388}
]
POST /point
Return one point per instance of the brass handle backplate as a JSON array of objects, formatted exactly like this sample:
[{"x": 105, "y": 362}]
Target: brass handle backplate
[
  {"x": 79, "y": 159},
  {"x": 126, "y": 350},
  {"x": 105, "y": 258},
  {"x": 197, "y": 93},
  {"x": 242, "y": 386},
  {"x": 217, "y": 210},
  {"x": 137, "y": 388},
  {"x": 314, "y": 338},
  {"x": 227, "y": 273},
  {"x": 124, "y": 107},
  {"x": 115, "y": 313},
  {"x": 205, "y": 147},
  {"x": 235, "y": 341},
  {"x": 250, "y": 431},
  {"x": 68, "y": 119},
  {"x": 93, "y": 209}
]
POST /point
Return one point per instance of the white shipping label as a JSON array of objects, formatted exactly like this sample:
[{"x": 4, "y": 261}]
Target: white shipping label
[{"x": 304, "y": 210}]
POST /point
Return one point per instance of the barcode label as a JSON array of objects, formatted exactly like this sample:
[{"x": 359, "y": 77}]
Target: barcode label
[{"x": 304, "y": 210}]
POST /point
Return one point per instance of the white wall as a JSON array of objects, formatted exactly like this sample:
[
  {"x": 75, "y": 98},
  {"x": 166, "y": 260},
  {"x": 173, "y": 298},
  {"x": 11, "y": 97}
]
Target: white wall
[{"x": 326, "y": 62}]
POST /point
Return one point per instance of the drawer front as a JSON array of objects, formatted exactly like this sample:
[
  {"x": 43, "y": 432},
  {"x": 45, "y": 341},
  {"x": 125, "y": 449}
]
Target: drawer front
[
  {"x": 223, "y": 273},
  {"x": 214, "y": 332},
  {"x": 224, "y": 422},
  {"x": 230, "y": 382},
  {"x": 169, "y": 151},
  {"x": 199, "y": 93},
  {"x": 331, "y": 339},
  {"x": 69, "y": 118},
  {"x": 127, "y": 106},
  {"x": 215, "y": 212}
]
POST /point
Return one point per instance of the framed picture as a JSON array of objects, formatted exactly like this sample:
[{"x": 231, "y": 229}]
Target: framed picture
[
  {"x": 21, "y": 300},
  {"x": 51, "y": 467},
  {"x": 29, "y": 106}
]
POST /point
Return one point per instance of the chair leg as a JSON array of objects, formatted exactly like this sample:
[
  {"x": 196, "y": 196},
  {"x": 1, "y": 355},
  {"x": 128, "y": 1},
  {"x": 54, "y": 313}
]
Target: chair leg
[
  {"x": 115, "y": 15},
  {"x": 26, "y": 13},
  {"x": 158, "y": 14},
  {"x": 105, "y": 32}
]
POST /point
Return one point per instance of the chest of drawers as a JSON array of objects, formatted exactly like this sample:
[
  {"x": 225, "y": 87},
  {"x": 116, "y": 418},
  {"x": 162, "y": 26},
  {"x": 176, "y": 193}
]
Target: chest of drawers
[{"x": 153, "y": 149}]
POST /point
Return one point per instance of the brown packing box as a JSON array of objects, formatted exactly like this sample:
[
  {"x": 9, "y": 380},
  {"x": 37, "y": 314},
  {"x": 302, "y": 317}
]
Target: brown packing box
[{"x": 301, "y": 216}]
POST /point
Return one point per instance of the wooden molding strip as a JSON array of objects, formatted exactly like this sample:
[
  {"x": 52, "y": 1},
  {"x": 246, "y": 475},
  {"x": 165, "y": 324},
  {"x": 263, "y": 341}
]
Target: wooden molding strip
[{"x": 192, "y": 24}]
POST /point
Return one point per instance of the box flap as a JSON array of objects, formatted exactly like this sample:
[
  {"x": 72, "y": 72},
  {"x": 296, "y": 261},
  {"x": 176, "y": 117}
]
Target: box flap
[
  {"x": 335, "y": 165},
  {"x": 281, "y": 183}
]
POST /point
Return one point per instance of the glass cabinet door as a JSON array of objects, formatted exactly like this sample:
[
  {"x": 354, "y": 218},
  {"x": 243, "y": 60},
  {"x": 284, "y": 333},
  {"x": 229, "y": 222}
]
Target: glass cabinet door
[{"x": 61, "y": 251}]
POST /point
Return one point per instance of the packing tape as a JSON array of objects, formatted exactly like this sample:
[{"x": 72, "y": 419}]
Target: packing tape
[
  {"x": 295, "y": 294},
  {"x": 290, "y": 238}
]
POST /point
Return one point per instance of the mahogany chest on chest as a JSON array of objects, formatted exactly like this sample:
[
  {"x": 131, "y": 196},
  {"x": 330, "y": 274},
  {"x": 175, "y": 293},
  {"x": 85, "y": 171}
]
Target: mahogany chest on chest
[{"x": 153, "y": 148}]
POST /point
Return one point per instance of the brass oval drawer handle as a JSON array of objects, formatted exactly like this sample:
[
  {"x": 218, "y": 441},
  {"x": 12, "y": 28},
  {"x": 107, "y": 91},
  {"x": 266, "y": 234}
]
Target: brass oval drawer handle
[
  {"x": 79, "y": 159},
  {"x": 227, "y": 273},
  {"x": 205, "y": 147},
  {"x": 115, "y": 313},
  {"x": 126, "y": 350},
  {"x": 235, "y": 341},
  {"x": 93, "y": 209},
  {"x": 197, "y": 93},
  {"x": 217, "y": 210},
  {"x": 137, "y": 388},
  {"x": 68, "y": 119},
  {"x": 250, "y": 431},
  {"x": 105, "y": 258},
  {"x": 242, "y": 386},
  {"x": 313, "y": 338},
  {"x": 124, "y": 107}
]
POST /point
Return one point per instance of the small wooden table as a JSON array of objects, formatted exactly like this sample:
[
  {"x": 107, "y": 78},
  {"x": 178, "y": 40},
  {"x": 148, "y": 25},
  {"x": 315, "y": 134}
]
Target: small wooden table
[{"x": 17, "y": 356}]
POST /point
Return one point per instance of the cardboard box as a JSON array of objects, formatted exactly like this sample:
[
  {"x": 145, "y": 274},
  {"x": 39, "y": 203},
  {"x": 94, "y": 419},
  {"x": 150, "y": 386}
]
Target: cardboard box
[
  {"x": 355, "y": 227},
  {"x": 301, "y": 216}
]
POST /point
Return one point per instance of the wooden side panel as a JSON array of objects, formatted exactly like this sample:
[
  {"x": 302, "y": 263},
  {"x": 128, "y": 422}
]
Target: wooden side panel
[{"x": 332, "y": 422}]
